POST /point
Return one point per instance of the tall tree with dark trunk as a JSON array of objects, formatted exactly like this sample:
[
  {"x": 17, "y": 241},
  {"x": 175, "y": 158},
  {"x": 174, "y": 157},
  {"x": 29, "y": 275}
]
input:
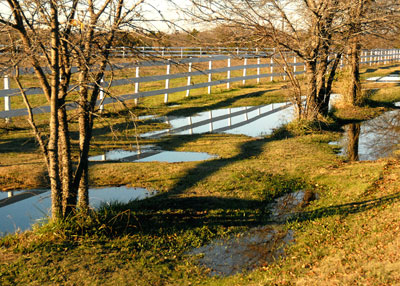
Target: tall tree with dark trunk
[
  {"x": 306, "y": 28},
  {"x": 57, "y": 36},
  {"x": 365, "y": 17}
]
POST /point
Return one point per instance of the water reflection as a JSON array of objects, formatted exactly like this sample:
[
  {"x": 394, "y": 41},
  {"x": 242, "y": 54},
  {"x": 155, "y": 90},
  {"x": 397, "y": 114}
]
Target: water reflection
[
  {"x": 372, "y": 139},
  {"x": 151, "y": 153},
  {"x": 353, "y": 137},
  {"x": 27, "y": 207},
  {"x": 252, "y": 121}
]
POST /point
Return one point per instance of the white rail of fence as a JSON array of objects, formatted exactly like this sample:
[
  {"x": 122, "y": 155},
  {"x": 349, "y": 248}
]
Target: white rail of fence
[{"x": 266, "y": 67}]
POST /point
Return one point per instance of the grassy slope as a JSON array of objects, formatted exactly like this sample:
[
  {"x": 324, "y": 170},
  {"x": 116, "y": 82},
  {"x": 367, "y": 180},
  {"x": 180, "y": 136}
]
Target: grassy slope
[{"x": 349, "y": 236}]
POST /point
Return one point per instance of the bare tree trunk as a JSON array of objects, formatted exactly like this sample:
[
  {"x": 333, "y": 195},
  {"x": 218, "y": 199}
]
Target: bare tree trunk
[
  {"x": 354, "y": 93},
  {"x": 54, "y": 174},
  {"x": 69, "y": 193},
  {"x": 311, "y": 112}
]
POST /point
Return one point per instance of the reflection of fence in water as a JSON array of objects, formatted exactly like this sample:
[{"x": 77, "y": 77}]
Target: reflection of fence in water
[{"x": 225, "y": 119}]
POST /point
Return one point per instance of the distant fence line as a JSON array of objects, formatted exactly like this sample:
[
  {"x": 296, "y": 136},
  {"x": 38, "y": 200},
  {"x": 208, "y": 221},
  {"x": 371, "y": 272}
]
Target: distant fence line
[{"x": 269, "y": 63}]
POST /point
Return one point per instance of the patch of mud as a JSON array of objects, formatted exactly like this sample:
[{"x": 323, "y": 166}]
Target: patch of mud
[
  {"x": 288, "y": 205},
  {"x": 244, "y": 252},
  {"x": 258, "y": 246}
]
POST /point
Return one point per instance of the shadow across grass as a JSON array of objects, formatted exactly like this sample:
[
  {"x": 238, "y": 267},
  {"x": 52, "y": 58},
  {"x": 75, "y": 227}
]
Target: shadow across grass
[{"x": 346, "y": 209}]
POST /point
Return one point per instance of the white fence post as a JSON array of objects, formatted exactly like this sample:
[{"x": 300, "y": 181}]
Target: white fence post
[
  {"x": 294, "y": 66},
  {"x": 258, "y": 68},
  {"x": 228, "y": 75},
  {"x": 7, "y": 101},
  {"x": 370, "y": 58},
  {"x": 189, "y": 79},
  {"x": 284, "y": 73},
  {"x": 244, "y": 71},
  {"x": 101, "y": 95},
  {"x": 384, "y": 57},
  {"x": 209, "y": 76},
  {"x": 137, "y": 75},
  {"x": 272, "y": 67},
  {"x": 167, "y": 82}
]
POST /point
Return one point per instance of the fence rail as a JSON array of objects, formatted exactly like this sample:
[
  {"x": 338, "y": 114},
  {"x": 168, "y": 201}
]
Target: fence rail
[{"x": 265, "y": 67}]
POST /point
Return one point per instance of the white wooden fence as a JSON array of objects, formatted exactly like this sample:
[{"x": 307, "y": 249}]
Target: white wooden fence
[{"x": 265, "y": 67}]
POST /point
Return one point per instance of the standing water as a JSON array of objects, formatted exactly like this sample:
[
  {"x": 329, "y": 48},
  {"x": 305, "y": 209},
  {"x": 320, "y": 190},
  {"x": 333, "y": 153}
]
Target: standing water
[{"x": 24, "y": 208}]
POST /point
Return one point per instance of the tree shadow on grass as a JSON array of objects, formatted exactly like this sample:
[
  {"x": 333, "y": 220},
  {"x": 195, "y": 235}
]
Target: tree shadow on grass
[{"x": 346, "y": 209}]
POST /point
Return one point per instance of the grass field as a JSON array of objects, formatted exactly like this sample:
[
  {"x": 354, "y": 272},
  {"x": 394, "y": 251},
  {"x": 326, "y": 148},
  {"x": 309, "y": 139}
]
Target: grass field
[{"x": 349, "y": 236}]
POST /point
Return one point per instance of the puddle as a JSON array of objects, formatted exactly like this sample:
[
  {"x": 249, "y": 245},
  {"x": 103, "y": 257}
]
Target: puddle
[
  {"x": 254, "y": 121},
  {"x": 152, "y": 154},
  {"x": 372, "y": 139},
  {"x": 286, "y": 206},
  {"x": 256, "y": 247},
  {"x": 244, "y": 252},
  {"x": 28, "y": 207}
]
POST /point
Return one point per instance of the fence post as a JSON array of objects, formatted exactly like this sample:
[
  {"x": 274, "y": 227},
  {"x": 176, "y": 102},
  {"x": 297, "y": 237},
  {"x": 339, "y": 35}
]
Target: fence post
[
  {"x": 101, "y": 95},
  {"x": 244, "y": 70},
  {"x": 209, "y": 76},
  {"x": 228, "y": 76},
  {"x": 272, "y": 67},
  {"x": 7, "y": 100},
  {"x": 189, "y": 79},
  {"x": 294, "y": 66},
  {"x": 181, "y": 53},
  {"x": 370, "y": 58},
  {"x": 258, "y": 69},
  {"x": 167, "y": 82},
  {"x": 137, "y": 75},
  {"x": 284, "y": 73},
  {"x": 384, "y": 57}
]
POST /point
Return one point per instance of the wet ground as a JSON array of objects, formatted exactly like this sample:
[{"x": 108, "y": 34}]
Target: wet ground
[
  {"x": 256, "y": 247},
  {"x": 373, "y": 139}
]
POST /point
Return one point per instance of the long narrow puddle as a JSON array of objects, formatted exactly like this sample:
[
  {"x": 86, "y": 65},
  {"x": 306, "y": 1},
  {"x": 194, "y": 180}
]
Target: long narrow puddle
[{"x": 254, "y": 121}]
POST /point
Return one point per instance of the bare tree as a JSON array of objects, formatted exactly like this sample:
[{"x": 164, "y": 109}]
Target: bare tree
[
  {"x": 365, "y": 18},
  {"x": 56, "y": 36},
  {"x": 306, "y": 28}
]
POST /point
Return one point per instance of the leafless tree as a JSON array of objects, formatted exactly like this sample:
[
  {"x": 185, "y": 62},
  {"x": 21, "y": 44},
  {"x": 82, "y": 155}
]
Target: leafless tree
[
  {"x": 55, "y": 36},
  {"x": 364, "y": 18},
  {"x": 306, "y": 28},
  {"x": 320, "y": 32}
]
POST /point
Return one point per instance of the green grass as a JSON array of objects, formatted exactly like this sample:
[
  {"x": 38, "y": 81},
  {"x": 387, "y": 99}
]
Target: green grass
[{"x": 349, "y": 236}]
